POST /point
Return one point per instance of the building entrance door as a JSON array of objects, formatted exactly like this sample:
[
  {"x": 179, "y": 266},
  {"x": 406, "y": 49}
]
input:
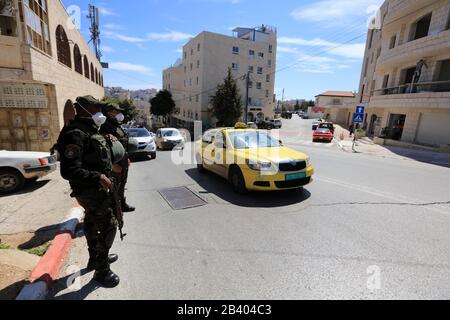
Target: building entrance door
[{"x": 396, "y": 126}]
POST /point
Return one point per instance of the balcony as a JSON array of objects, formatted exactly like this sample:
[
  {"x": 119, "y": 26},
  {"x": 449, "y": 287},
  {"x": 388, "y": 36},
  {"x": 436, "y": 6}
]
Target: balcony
[
  {"x": 434, "y": 94},
  {"x": 413, "y": 51}
]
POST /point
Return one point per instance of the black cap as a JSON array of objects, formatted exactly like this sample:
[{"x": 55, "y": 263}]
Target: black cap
[
  {"x": 111, "y": 106},
  {"x": 87, "y": 101}
]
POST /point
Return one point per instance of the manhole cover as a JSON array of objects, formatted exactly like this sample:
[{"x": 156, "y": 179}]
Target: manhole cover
[{"x": 181, "y": 198}]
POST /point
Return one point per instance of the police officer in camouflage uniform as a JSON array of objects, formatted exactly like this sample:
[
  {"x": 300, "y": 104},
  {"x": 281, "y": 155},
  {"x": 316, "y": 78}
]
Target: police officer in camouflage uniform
[
  {"x": 113, "y": 127},
  {"x": 86, "y": 163}
]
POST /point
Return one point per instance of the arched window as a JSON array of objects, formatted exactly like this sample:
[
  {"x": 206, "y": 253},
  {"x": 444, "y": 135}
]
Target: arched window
[
  {"x": 77, "y": 59},
  {"x": 101, "y": 80},
  {"x": 63, "y": 47},
  {"x": 92, "y": 73},
  {"x": 86, "y": 67},
  {"x": 69, "y": 112},
  {"x": 96, "y": 76}
]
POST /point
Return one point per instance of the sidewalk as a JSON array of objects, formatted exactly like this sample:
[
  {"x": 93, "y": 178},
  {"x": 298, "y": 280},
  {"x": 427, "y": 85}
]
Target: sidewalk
[
  {"x": 29, "y": 221},
  {"x": 366, "y": 146}
]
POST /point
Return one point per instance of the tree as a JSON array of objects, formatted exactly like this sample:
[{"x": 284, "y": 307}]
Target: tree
[
  {"x": 297, "y": 106},
  {"x": 226, "y": 103},
  {"x": 130, "y": 112},
  {"x": 311, "y": 103},
  {"x": 162, "y": 104}
]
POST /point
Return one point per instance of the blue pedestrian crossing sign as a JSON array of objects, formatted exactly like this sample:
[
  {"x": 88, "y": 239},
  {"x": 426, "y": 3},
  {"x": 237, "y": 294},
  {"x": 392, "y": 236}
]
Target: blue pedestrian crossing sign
[
  {"x": 358, "y": 118},
  {"x": 360, "y": 109}
]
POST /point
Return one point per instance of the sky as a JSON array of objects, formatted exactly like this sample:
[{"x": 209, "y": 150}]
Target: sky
[{"x": 320, "y": 43}]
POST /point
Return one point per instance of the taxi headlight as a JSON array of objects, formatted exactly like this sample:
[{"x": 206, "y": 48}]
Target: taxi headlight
[
  {"x": 308, "y": 162},
  {"x": 259, "y": 166}
]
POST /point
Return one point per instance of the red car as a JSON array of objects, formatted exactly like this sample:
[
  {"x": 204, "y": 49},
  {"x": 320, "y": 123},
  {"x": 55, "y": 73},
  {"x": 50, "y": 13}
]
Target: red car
[{"x": 323, "y": 134}]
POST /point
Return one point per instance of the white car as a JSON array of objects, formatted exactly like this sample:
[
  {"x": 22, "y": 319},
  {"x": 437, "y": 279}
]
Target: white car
[
  {"x": 16, "y": 167},
  {"x": 147, "y": 145},
  {"x": 169, "y": 138}
]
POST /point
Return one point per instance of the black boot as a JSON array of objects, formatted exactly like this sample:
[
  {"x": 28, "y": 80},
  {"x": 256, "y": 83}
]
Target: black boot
[
  {"x": 107, "y": 278},
  {"x": 126, "y": 207},
  {"x": 111, "y": 259}
]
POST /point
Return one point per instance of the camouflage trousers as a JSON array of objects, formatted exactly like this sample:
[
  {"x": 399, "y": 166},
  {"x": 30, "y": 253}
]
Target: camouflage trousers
[
  {"x": 122, "y": 180},
  {"x": 100, "y": 226}
]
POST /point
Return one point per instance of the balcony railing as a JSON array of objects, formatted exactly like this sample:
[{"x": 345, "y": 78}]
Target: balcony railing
[{"x": 421, "y": 87}]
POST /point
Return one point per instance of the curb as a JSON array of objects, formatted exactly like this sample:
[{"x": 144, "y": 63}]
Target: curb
[{"x": 46, "y": 271}]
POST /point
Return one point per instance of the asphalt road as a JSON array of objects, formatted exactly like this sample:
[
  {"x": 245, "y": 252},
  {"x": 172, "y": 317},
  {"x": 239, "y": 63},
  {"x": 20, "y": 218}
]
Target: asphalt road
[{"x": 366, "y": 228}]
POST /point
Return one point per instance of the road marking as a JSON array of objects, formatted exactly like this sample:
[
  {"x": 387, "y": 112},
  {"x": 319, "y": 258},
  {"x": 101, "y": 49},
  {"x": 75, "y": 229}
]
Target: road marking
[{"x": 383, "y": 194}]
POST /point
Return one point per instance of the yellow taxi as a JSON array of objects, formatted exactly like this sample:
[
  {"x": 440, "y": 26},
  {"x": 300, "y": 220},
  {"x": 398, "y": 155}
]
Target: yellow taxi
[{"x": 252, "y": 160}]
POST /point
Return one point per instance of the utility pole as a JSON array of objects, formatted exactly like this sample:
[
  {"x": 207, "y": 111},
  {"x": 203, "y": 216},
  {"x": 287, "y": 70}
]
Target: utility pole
[{"x": 247, "y": 86}]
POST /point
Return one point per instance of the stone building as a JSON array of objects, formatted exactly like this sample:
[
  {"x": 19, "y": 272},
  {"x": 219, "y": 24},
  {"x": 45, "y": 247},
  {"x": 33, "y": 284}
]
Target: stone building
[
  {"x": 337, "y": 106},
  {"x": 405, "y": 80},
  {"x": 45, "y": 63},
  {"x": 205, "y": 62}
]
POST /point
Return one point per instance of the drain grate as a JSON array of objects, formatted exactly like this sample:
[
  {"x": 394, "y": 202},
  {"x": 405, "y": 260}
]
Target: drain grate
[{"x": 181, "y": 198}]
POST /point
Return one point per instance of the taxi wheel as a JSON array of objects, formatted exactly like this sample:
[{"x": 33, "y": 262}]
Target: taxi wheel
[{"x": 237, "y": 180}]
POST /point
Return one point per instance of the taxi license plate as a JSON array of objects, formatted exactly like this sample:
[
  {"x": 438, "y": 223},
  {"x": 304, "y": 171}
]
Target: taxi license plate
[{"x": 295, "y": 176}]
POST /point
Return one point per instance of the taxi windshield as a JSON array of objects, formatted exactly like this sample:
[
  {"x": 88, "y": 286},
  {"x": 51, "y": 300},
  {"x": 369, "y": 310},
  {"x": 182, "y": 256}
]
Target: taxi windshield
[
  {"x": 252, "y": 140},
  {"x": 170, "y": 133}
]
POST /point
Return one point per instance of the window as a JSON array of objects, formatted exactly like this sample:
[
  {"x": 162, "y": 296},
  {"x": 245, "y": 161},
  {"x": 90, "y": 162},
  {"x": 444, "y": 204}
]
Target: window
[
  {"x": 251, "y": 69},
  {"x": 92, "y": 73},
  {"x": 393, "y": 41},
  {"x": 235, "y": 50},
  {"x": 63, "y": 47},
  {"x": 421, "y": 28},
  {"x": 37, "y": 30},
  {"x": 261, "y": 55},
  {"x": 259, "y": 85},
  {"x": 190, "y": 82},
  {"x": 267, "y": 93},
  {"x": 371, "y": 38},
  {"x": 337, "y": 102},
  {"x": 363, "y": 89},
  {"x": 198, "y": 47},
  {"x": 260, "y": 70},
  {"x": 385, "y": 81},
  {"x": 96, "y": 76},
  {"x": 249, "y": 100},
  {"x": 196, "y": 98},
  {"x": 192, "y": 52},
  {"x": 8, "y": 25},
  {"x": 378, "y": 52},
  {"x": 251, "y": 53},
  {"x": 77, "y": 59},
  {"x": 250, "y": 84},
  {"x": 192, "y": 66},
  {"x": 197, "y": 80},
  {"x": 185, "y": 54},
  {"x": 270, "y": 48},
  {"x": 185, "y": 69},
  {"x": 86, "y": 67},
  {"x": 366, "y": 66},
  {"x": 235, "y": 66},
  {"x": 269, "y": 63},
  {"x": 198, "y": 64},
  {"x": 268, "y": 78}
]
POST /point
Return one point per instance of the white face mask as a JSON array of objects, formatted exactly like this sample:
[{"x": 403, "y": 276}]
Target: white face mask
[
  {"x": 98, "y": 118},
  {"x": 120, "y": 117}
]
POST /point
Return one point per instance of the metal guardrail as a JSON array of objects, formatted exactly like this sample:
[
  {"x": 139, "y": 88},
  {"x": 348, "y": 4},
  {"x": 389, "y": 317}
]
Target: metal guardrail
[{"x": 435, "y": 86}]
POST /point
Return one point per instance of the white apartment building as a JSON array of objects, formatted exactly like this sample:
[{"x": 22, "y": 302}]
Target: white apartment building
[
  {"x": 405, "y": 80},
  {"x": 45, "y": 63},
  {"x": 205, "y": 63}
]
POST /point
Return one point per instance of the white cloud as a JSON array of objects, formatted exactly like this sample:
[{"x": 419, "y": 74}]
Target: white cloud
[
  {"x": 172, "y": 36},
  {"x": 352, "y": 51},
  {"x": 113, "y": 26},
  {"x": 332, "y": 12},
  {"x": 107, "y": 49},
  {"x": 106, "y": 12},
  {"x": 125, "y": 66}
]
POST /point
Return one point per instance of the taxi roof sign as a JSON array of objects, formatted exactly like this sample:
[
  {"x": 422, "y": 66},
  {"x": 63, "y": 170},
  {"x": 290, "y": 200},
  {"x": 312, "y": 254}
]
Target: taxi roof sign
[{"x": 240, "y": 125}]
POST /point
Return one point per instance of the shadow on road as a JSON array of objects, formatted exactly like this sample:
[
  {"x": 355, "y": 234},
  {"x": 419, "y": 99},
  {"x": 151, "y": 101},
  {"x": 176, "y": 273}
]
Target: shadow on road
[
  {"x": 218, "y": 186},
  {"x": 30, "y": 186},
  {"x": 435, "y": 158},
  {"x": 73, "y": 294}
]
